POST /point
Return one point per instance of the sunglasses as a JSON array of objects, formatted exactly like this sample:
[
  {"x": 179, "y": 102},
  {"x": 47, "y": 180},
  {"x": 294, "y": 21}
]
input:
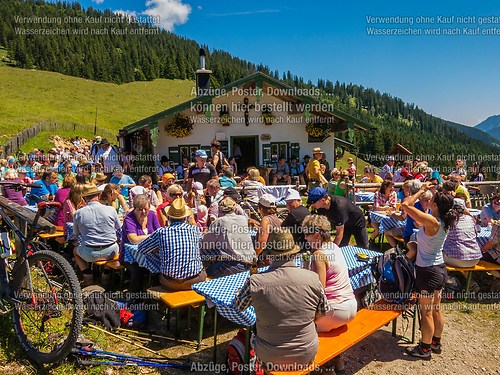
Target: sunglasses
[{"x": 176, "y": 195}]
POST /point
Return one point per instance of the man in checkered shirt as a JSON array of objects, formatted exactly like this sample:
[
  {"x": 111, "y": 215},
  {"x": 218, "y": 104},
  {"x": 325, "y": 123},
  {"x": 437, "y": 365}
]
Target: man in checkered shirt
[{"x": 178, "y": 244}]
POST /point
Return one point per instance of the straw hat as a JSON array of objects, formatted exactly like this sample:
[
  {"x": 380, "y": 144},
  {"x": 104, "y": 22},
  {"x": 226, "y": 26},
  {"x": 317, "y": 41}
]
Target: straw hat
[
  {"x": 89, "y": 190},
  {"x": 227, "y": 204},
  {"x": 99, "y": 176},
  {"x": 281, "y": 242},
  {"x": 317, "y": 150},
  {"x": 177, "y": 209}
]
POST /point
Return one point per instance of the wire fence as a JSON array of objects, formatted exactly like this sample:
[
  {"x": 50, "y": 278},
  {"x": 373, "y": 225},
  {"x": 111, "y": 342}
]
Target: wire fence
[{"x": 14, "y": 144}]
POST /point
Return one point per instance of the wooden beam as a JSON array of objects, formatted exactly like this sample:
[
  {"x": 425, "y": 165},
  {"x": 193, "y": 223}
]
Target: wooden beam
[{"x": 26, "y": 215}]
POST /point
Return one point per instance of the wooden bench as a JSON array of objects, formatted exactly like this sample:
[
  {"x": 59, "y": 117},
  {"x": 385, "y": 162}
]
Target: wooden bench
[
  {"x": 334, "y": 343},
  {"x": 58, "y": 235},
  {"x": 115, "y": 265},
  {"x": 175, "y": 300},
  {"x": 481, "y": 266}
]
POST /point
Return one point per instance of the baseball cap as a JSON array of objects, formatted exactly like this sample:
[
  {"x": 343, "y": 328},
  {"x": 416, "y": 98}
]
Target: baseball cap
[
  {"x": 198, "y": 187},
  {"x": 316, "y": 194},
  {"x": 292, "y": 195},
  {"x": 267, "y": 200},
  {"x": 231, "y": 192},
  {"x": 201, "y": 154}
]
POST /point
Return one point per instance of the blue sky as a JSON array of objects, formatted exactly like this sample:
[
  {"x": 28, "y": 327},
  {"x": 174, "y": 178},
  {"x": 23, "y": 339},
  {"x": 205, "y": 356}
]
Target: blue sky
[{"x": 455, "y": 77}]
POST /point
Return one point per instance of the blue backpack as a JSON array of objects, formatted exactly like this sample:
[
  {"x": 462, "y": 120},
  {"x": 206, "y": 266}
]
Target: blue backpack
[{"x": 395, "y": 275}]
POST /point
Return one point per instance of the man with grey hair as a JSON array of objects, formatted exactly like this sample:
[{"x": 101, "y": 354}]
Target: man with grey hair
[{"x": 228, "y": 244}]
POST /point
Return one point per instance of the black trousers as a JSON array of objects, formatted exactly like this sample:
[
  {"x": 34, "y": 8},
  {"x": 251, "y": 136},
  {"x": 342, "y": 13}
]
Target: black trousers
[{"x": 360, "y": 235}]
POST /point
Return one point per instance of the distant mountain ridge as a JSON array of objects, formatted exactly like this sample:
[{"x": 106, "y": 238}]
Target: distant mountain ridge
[
  {"x": 491, "y": 126},
  {"x": 476, "y": 133}
]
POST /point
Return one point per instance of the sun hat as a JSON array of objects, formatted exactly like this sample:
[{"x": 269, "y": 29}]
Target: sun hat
[
  {"x": 89, "y": 190},
  {"x": 292, "y": 195},
  {"x": 349, "y": 160},
  {"x": 306, "y": 157},
  {"x": 104, "y": 141},
  {"x": 281, "y": 242},
  {"x": 227, "y": 204},
  {"x": 201, "y": 154},
  {"x": 98, "y": 140},
  {"x": 316, "y": 194},
  {"x": 167, "y": 176},
  {"x": 177, "y": 209},
  {"x": 99, "y": 176},
  {"x": 267, "y": 200},
  {"x": 317, "y": 150},
  {"x": 198, "y": 187}
]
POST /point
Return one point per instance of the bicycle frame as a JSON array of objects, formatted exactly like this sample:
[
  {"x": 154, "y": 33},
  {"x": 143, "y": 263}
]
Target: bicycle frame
[{"x": 21, "y": 255}]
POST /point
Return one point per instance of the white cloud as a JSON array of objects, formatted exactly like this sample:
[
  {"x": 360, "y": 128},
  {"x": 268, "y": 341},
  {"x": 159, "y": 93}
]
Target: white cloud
[
  {"x": 126, "y": 13},
  {"x": 199, "y": 7},
  {"x": 170, "y": 12},
  {"x": 98, "y": 1}
]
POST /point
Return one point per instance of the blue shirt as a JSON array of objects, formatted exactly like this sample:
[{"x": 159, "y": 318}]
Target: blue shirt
[
  {"x": 410, "y": 222},
  {"x": 44, "y": 190},
  {"x": 179, "y": 249},
  {"x": 124, "y": 180},
  {"x": 97, "y": 224}
]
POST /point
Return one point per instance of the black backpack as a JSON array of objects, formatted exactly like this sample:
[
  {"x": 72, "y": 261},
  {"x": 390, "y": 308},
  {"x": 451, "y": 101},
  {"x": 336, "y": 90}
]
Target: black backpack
[{"x": 395, "y": 274}]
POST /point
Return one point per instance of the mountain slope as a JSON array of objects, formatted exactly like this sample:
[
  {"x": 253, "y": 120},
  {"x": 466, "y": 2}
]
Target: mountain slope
[
  {"x": 491, "y": 126},
  {"x": 476, "y": 133},
  {"x": 29, "y": 96}
]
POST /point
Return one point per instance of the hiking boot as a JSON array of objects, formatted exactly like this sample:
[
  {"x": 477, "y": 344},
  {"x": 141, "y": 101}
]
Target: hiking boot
[
  {"x": 436, "y": 348},
  {"x": 418, "y": 352}
]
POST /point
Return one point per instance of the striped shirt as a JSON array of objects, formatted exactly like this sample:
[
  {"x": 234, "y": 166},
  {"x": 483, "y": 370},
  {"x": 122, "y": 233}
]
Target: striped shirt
[
  {"x": 179, "y": 249},
  {"x": 381, "y": 200}
]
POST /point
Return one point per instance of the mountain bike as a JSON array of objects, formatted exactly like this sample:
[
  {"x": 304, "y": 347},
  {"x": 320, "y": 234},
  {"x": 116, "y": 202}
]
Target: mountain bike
[{"x": 38, "y": 287}]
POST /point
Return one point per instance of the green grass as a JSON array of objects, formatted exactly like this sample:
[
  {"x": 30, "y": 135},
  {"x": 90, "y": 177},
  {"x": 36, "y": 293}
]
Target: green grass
[{"x": 29, "y": 96}]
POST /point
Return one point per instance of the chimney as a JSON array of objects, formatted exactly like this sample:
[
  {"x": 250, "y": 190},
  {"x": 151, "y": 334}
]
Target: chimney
[{"x": 202, "y": 77}]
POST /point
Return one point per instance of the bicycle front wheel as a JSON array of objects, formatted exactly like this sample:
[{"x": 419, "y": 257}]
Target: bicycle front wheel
[{"x": 48, "y": 307}]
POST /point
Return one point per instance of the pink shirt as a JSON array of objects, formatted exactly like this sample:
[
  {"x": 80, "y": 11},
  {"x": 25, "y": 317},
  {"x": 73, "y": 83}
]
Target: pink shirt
[{"x": 338, "y": 287}]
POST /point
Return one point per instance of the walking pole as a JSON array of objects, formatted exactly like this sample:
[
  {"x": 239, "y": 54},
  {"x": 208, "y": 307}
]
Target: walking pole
[
  {"x": 125, "y": 340},
  {"x": 132, "y": 332}
]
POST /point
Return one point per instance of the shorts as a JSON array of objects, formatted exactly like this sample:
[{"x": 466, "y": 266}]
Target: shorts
[
  {"x": 430, "y": 278},
  {"x": 91, "y": 255}
]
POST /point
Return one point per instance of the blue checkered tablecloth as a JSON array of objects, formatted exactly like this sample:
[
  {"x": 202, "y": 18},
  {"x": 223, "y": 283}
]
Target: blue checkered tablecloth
[
  {"x": 364, "y": 196},
  {"x": 385, "y": 221},
  {"x": 221, "y": 291},
  {"x": 150, "y": 260},
  {"x": 483, "y": 236}
]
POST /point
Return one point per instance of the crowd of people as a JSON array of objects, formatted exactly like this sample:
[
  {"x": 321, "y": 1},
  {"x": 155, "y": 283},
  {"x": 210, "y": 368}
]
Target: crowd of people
[{"x": 192, "y": 215}]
